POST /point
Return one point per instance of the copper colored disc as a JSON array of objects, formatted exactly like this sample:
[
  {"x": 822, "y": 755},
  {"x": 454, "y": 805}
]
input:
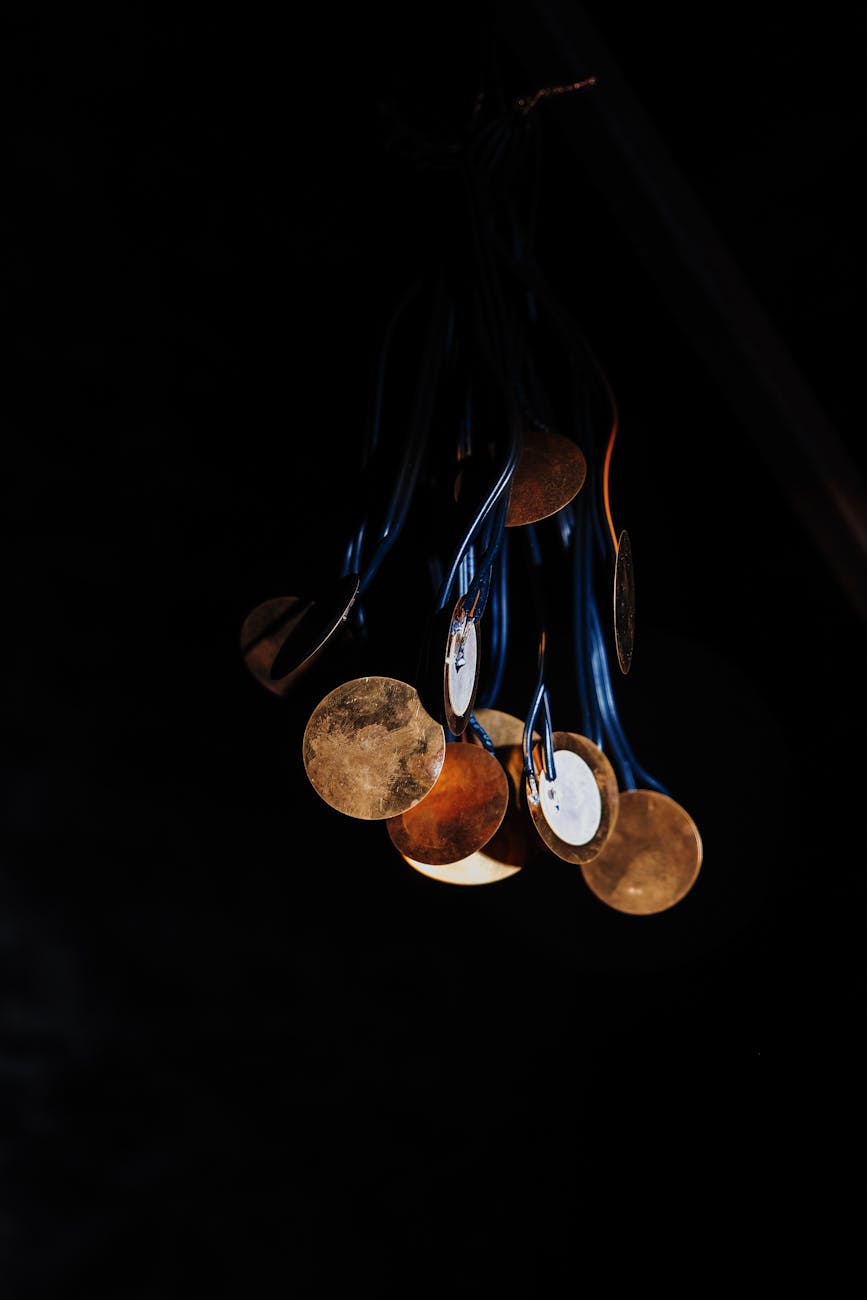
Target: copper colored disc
[
  {"x": 461, "y": 668},
  {"x": 551, "y": 471},
  {"x": 624, "y": 602},
  {"x": 283, "y": 636},
  {"x": 461, "y": 813},
  {"x": 510, "y": 846},
  {"x": 502, "y": 728},
  {"x": 652, "y": 857},
  {"x": 575, "y": 816},
  {"x": 371, "y": 749},
  {"x": 506, "y": 734}
]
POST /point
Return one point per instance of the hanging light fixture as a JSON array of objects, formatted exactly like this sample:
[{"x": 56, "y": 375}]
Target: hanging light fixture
[{"x": 509, "y": 436}]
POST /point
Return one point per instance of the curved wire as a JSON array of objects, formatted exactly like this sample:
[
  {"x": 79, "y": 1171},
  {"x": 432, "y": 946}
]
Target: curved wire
[
  {"x": 498, "y": 636},
  {"x": 581, "y": 560},
  {"x": 540, "y": 694},
  {"x": 404, "y": 488},
  {"x": 352, "y": 561},
  {"x": 495, "y": 496},
  {"x": 632, "y": 772}
]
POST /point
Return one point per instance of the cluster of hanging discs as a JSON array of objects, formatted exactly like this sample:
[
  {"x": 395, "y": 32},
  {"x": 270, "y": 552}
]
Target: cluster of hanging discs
[{"x": 470, "y": 793}]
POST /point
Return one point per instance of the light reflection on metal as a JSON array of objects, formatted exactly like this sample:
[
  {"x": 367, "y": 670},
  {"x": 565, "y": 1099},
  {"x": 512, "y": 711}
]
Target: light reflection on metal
[
  {"x": 462, "y": 664},
  {"x": 283, "y": 636},
  {"x": 461, "y": 813},
  {"x": 583, "y": 791},
  {"x": 624, "y": 602},
  {"x": 371, "y": 750},
  {"x": 549, "y": 474},
  {"x": 652, "y": 857}
]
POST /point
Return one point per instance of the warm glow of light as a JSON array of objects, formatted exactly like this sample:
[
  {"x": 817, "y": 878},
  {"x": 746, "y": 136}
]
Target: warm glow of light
[
  {"x": 528, "y": 102},
  {"x": 477, "y": 869}
]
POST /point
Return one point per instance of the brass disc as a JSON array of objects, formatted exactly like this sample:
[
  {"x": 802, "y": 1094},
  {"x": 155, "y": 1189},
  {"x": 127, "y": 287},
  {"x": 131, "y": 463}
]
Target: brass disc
[
  {"x": 461, "y": 668},
  {"x": 283, "y": 636},
  {"x": 652, "y": 857},
  {"x": 371, "y": 749},
  {"x": 624, "y": 602},
  {"x": 575, "y": 815},
  {"x": 509, "y": 847},
  {"x": 460, "y": 814},
  {"x": 506, "y": 734},
  {"x": 503, "y": 728},
  {"x": 550, "y": 471}
]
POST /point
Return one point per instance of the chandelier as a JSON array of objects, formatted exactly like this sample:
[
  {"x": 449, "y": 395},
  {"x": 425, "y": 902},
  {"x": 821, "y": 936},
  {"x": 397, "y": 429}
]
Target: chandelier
[{"x": 506, "y": 445}]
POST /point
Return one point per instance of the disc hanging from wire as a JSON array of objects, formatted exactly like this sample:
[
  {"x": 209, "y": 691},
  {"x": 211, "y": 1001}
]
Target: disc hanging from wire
[
  {"x": 460, "y": 814},
  {"x": 574, "y": 814},
  {"x": 652, "y": 857},
  {"x": 550, "y": 472},
  {"x": 461, "y": 669},
  {"x": 624, "y": 602},
  {"x": 371, "y": 750},
  {"x": 283, "y": 636},
  {"x": 512, "y": 843}
]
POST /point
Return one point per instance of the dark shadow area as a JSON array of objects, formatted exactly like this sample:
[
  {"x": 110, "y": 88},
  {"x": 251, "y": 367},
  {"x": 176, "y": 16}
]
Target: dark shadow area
[{"x": 243, "y": 1044}]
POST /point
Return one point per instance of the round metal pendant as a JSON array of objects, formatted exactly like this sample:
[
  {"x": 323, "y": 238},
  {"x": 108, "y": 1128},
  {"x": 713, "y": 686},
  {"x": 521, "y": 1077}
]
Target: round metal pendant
[
  {"x": 371, "y": 749},
  {"x": 460, "y": 814},
  {"x": 460, "y": 669},
  {"x": 550, "y": 471},
  {"x": 652, "y": 857},
  {"x": 506, "y": 734},
  {"x": 508, "y": 849},
  {"x": 624, "y": 602},
  {"x": 283, "y": 636},
  {"x": 575, "y": 813}
]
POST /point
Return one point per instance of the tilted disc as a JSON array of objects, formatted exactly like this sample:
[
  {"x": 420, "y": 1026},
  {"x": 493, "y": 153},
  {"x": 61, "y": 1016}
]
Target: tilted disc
[{"x": 550, "y": 471}]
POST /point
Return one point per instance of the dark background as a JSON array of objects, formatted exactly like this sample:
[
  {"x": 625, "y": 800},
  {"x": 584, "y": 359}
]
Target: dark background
[{"x": 241, "y": 1039}]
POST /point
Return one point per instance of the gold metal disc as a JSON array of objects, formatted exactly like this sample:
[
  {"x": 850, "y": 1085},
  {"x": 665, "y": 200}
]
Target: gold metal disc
[
  {"x": 283, "y": 636},
  {"x": 460, "y": 814},
  {"x": 550, "y": 471},
  {"x": 624, "y": 602},
  {"x": 371, "y": 749},
  {"x": 652, "y": 857},
  {"x": 575, "y": 814},
  {"x": 506, "y": 734}
]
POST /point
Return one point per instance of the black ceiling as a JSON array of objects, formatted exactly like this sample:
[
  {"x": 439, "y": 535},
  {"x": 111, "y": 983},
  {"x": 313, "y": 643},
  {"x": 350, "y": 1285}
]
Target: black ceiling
[{"x": 235, "y": 1018}]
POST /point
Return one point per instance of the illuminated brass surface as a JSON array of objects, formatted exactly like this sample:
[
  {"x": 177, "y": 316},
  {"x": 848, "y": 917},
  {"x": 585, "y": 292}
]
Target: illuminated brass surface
[
  {"x": 283, "y": 636},
  {"x": 461, "y": 669},
  {"x": 503, "y": 728},
  {"x": 506, "y": 734},
  {"x": 482, "y": 868},
  {"x": 551, "y": 471},
  {"x": 624, "y": 602},
  {"x": 460, "y": 814},
  {"x": 652, "y": 857},
  {"x": 605, "y": 779},
  {"x": 371, "y": 749}
]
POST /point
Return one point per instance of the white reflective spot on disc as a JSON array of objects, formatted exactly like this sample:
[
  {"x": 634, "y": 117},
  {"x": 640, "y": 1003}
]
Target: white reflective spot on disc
[
  {"x": 572, "y": 805},
  {"x": 462, "y": 670}
]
